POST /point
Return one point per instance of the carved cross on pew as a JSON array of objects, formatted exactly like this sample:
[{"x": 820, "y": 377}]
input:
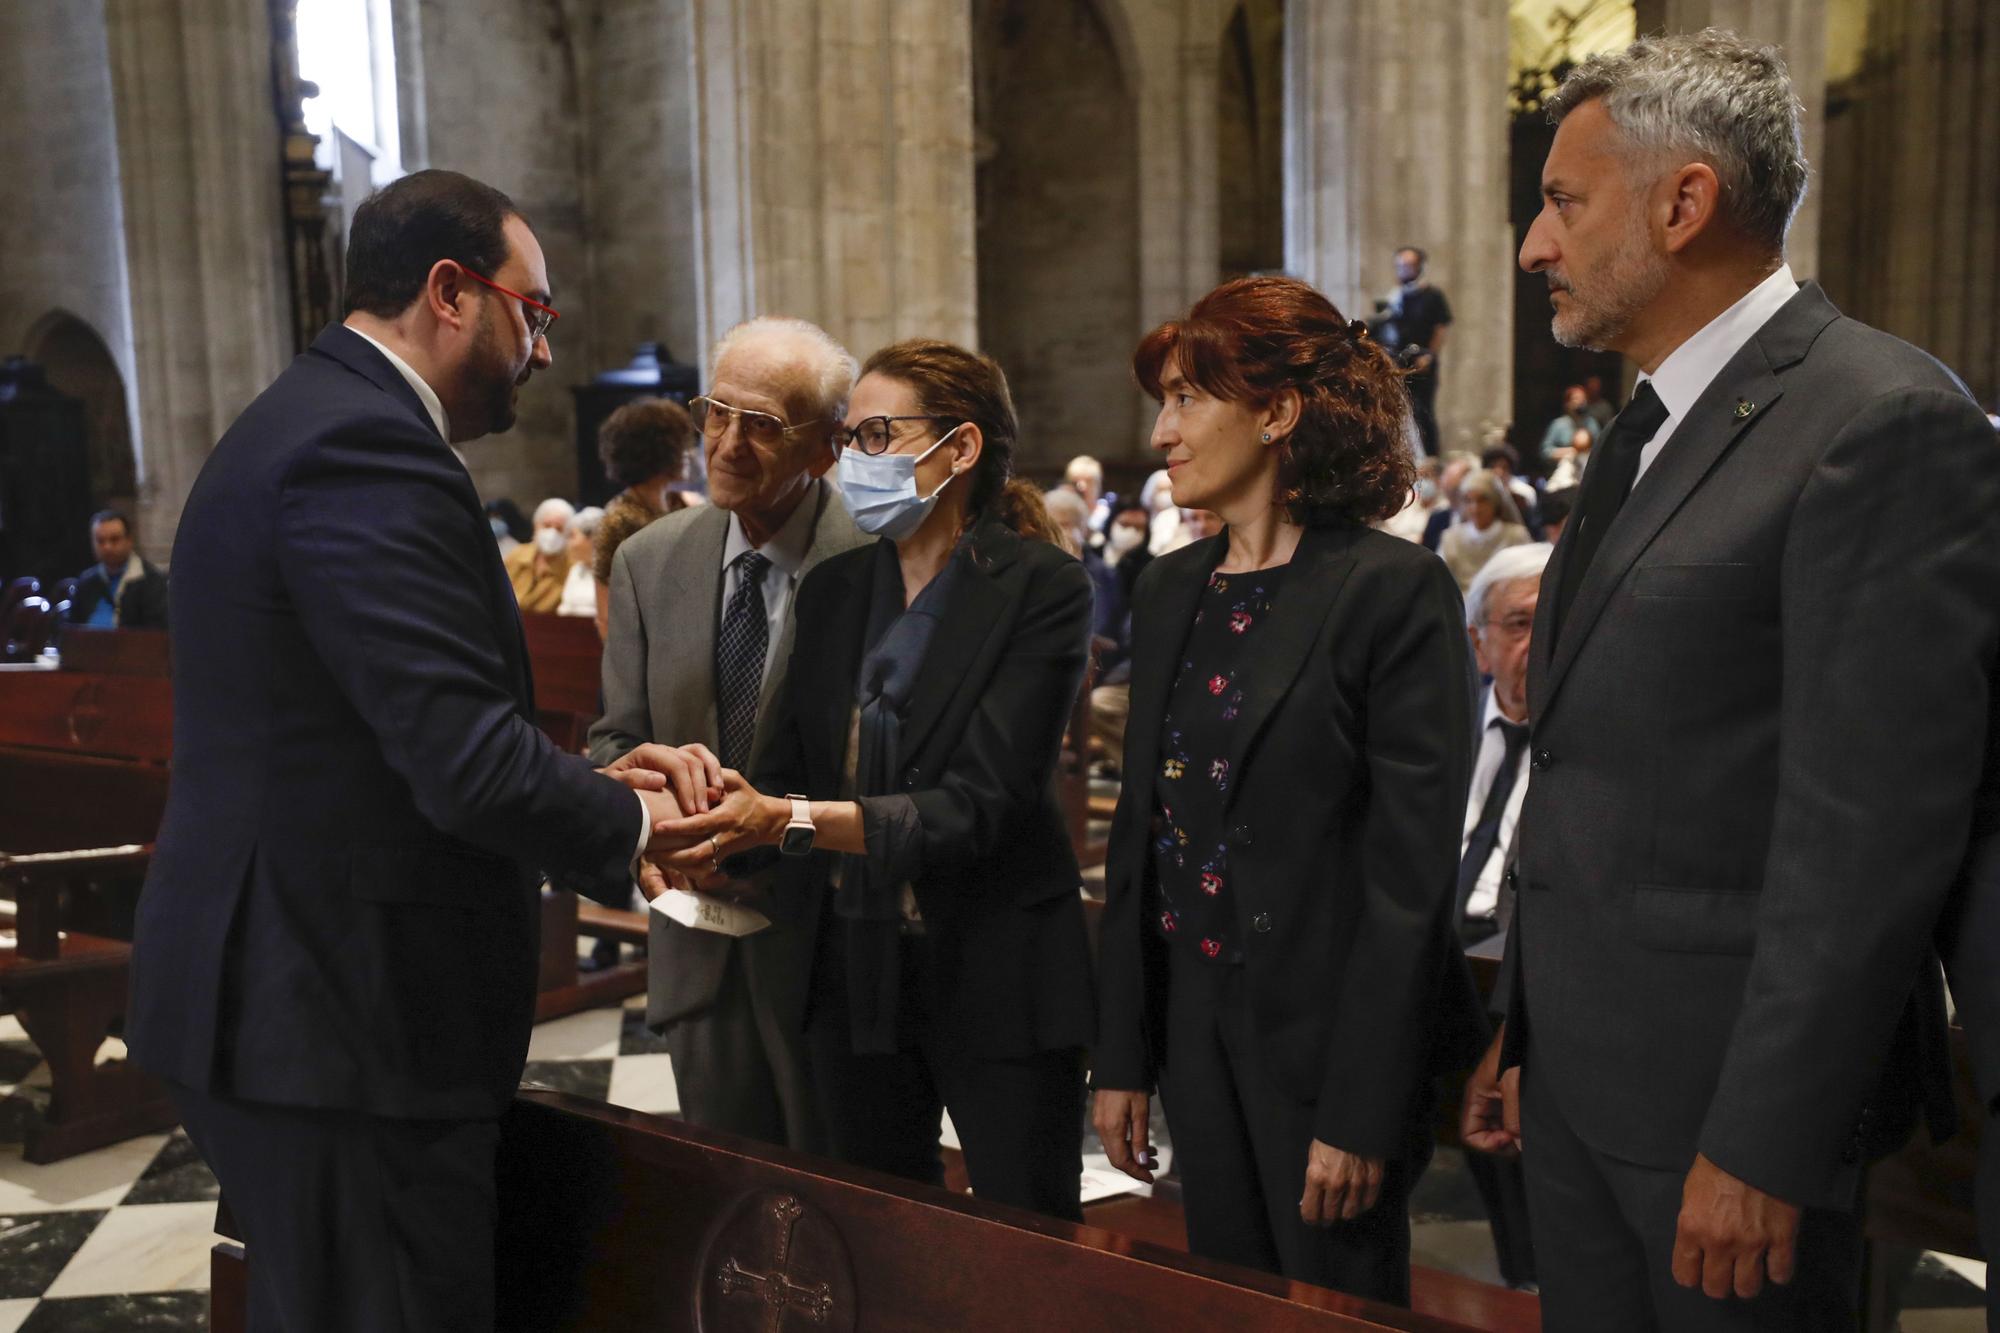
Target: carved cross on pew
[{"x": 775, "y": 1288}]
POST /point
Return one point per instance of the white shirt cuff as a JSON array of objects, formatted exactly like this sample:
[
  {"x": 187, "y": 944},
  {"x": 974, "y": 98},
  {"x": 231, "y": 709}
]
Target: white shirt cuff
[{"x": 645, "y": 834}]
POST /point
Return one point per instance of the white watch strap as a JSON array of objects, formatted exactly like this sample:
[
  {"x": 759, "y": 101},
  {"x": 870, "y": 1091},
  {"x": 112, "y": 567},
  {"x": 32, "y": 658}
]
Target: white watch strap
[{"x": 802, "y": 811}]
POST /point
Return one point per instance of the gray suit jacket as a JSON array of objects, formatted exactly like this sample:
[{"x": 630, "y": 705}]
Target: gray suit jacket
[
  {"x": 659, "y": 685},
  {"x": 1756, "y": 744}
]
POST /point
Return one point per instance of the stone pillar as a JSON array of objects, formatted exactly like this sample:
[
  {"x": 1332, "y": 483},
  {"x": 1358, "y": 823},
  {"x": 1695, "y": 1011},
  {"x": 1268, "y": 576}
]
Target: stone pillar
[
  {"x": 62, "y": 243},
  {"x": 1178, "y": 45},
  {"x": 833, "y": 166},
  {"x": 1912, "y": 201},
  {"x": 204, "y": 230},
  {"x": 1395, "y": 134},
  {"x": 1799, "y": 29}
]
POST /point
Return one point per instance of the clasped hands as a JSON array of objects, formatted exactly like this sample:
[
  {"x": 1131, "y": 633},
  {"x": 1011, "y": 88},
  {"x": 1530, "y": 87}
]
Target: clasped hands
[
  {"x": 701, "y": 812},
  {"x": 1730, "y": 1235},
  {"x": 1339, "y": 1186}
]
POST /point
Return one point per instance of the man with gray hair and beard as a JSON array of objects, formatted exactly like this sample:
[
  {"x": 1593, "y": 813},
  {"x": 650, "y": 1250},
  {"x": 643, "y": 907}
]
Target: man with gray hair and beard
[
  {"x": 1759, "y": 692},
  {"x": 699, "y": 637}
]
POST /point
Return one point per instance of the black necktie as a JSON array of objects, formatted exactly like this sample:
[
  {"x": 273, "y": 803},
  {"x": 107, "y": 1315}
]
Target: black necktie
[
  {"x": 739, "y": 661},
  {"x": 1485, "y": 835},
  {"x": 1614, "y": 466}
]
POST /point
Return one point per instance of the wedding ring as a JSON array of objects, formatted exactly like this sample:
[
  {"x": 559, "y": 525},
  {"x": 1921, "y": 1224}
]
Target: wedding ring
[{"x": 714, "y": 855}]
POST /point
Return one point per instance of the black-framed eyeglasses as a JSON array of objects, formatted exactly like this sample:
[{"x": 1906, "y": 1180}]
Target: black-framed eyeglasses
[
  {"x": 712, "y": 418},
  {"x": 872, "y": 435}
]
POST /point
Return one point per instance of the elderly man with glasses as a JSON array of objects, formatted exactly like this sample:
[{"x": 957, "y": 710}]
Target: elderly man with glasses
[{"x": 700, "y": 631}]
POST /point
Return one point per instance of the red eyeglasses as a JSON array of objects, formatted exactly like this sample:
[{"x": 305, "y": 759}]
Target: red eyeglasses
[{"x": 538, "y": 316}]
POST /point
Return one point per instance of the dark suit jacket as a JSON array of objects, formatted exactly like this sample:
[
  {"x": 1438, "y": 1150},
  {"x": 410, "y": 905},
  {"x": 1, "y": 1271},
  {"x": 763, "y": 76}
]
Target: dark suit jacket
[
  {"x": 1756, "y": 743},
  {"x": 142, "y": 601},
  {"x": 342, "y": 908},
  {"x": 990, "y": 859},
  {"x": 1346, "y": 815}
]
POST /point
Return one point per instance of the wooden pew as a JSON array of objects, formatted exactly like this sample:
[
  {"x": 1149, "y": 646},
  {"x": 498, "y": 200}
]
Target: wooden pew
[
  {"x": 614, "y": 1220},
  {"x": 565, "y": 654}
]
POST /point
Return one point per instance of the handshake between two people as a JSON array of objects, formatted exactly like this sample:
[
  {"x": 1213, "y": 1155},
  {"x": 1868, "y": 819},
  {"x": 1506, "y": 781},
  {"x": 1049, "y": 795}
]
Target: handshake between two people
[{"x": 701, "y": 813}]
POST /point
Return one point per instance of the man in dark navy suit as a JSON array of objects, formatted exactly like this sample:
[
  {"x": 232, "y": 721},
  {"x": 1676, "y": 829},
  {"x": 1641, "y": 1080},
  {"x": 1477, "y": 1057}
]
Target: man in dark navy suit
[{"x": 335, "y": 962}]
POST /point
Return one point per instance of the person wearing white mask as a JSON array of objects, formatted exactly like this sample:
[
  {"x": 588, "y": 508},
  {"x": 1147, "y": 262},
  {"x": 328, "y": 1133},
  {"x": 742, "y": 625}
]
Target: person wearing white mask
[
  {"x": 579, "y": 597},
  {"x": 907, "y": 792},
  {"x": 539, "y": 568}
]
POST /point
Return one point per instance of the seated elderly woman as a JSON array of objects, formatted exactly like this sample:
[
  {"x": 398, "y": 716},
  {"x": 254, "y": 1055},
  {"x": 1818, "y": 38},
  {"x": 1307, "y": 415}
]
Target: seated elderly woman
[
  {"x": 1489, "y": 521},
  {"x": 579, "y": 596},
  {"x": 908, "y": 785},
  {"x": 1279, "y": 957}
]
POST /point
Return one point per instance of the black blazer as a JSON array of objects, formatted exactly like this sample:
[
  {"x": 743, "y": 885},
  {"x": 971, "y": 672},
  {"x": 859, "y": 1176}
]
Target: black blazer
[
  {"x": 1757, "y": 742},
  {"x": 994, "y": 874},
  {"x": 1346, "y": 816},
  {"x": 342, "y": 907},
  {"x": 142, "y": 601}
]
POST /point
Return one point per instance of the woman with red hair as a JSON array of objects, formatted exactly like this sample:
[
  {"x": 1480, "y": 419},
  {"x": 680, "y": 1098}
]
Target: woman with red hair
[{"x": 1279, "y": 957}]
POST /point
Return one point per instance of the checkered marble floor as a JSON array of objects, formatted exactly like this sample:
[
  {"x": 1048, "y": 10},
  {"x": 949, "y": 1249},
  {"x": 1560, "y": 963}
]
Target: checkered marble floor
[{"x": 118, "y": 1239}]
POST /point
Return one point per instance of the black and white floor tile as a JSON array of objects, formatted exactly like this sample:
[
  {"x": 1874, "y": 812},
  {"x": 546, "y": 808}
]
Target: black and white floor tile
[{"x": 118, "y": 1239}]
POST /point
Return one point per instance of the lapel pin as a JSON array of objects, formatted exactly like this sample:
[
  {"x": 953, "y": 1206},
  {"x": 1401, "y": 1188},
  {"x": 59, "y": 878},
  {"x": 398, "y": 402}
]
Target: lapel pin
[{"x": 1744, "y": 407}]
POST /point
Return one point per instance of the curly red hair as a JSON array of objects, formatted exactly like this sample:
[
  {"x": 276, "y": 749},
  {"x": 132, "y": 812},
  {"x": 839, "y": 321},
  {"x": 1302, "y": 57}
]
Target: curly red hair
[{"x": 1253, "y": 338}]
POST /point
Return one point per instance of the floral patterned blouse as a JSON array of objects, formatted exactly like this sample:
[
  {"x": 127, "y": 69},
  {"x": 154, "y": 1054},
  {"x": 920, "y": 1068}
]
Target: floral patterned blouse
[{"x": 1190, "y": 853}]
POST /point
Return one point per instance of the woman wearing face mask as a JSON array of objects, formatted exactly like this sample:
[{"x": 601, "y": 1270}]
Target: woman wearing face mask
[
  {"x": 1278, "y": 955},
  {"x": 907, "y": 787}
]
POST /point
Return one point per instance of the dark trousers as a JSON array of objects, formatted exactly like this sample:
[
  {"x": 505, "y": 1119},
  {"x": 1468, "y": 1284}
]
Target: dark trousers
[
  {"x": 1989, "y": 1210},
  {"x": 1019, "y": 1121},
  {"x": 353, "y": 1221},
  {"x": 1504, "y": 1191},
  {"x": 1240, "y": 1145},
  {"x": 1423, "y": 391},
  {"x": 1604, "y": 1239},
  {"x": 737, "y": 1070}
]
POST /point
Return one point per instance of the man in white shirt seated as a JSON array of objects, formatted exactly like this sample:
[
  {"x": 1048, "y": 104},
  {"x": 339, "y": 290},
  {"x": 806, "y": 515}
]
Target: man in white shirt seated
[{"x": 1500, "y": 619}]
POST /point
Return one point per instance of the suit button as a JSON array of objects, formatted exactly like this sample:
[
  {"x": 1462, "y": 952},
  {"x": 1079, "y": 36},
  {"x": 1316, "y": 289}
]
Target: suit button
[
  {"x": 910, "y": 779},
  {"x": 1261, "y": 922},
  {"x": 1240, "y": 835},
  {"x": 1541, "y": 761}
]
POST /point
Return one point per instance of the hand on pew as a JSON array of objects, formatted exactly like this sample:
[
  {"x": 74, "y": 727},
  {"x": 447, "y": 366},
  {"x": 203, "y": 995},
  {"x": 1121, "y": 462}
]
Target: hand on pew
[
  {"x": 1340, "y": 1185},
  {"x": 1120, "y": 1119},
  {"x": 1490, "y": 1120}
]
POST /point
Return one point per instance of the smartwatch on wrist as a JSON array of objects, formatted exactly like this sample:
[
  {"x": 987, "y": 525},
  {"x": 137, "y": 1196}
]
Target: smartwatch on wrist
[{"x": 798, "y": 835}]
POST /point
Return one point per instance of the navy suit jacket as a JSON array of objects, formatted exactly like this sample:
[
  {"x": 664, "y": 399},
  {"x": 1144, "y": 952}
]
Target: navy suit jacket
[{"x": 342, "y": 908}]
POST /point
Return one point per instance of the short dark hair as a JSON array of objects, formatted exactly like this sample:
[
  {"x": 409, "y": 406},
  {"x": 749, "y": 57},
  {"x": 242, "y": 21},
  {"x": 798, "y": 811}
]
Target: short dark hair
[
  {"x": 112, "y": 516},
  {"x": 644, "y": 438},
  {"x": 1557, "y": 505},
  {"x": 1252, "y": 339},
  {"x": 403, "y": 229},
  {"x": 1500, "y": 453}
]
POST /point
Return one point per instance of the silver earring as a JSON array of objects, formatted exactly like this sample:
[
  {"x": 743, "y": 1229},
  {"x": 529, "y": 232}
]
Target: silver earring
[{"x": 1267, "y": 437}]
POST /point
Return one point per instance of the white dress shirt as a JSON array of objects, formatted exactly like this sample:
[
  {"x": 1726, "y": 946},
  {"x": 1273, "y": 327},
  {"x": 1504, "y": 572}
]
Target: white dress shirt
[
  {"x": 425, "y": 394},
  {"x": 1485, "y": 897},
  {"x": 786, "y": 550},
  {"x": 1690, "y": 368}
]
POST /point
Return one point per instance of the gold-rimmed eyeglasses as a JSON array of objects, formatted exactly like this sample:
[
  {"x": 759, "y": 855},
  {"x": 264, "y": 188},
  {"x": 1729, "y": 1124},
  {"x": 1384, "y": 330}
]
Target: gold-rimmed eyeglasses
[{"x": 712, "y": 418}]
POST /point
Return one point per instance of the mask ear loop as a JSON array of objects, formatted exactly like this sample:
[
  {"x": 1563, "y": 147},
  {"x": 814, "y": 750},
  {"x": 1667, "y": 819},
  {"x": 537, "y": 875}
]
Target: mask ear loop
[{"x": 953, "y": 476}]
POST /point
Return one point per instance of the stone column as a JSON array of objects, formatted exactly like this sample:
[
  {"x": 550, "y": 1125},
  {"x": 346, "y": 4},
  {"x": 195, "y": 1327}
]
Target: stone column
[
  {"x": 834, "y": 166},
  {"x": 1799, "y": 29},
  {"x": 203, "y": 221},
  {"x": 1178, "y": 47},
  {"x": 1912, "y": 201},
  {"x": 1395, "y": 134},
  {"x": 62, "y": 244}
]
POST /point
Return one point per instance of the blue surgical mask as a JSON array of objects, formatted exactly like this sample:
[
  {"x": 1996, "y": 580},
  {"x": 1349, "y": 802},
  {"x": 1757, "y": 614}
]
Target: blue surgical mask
[{"x": 881, "y": 489}]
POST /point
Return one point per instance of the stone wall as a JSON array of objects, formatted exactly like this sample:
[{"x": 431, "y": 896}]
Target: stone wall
[
  {"x": 1058, "y": 225},
  {"x": 1910, "y": 233},
  {"x": 62, "y": 243}
]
